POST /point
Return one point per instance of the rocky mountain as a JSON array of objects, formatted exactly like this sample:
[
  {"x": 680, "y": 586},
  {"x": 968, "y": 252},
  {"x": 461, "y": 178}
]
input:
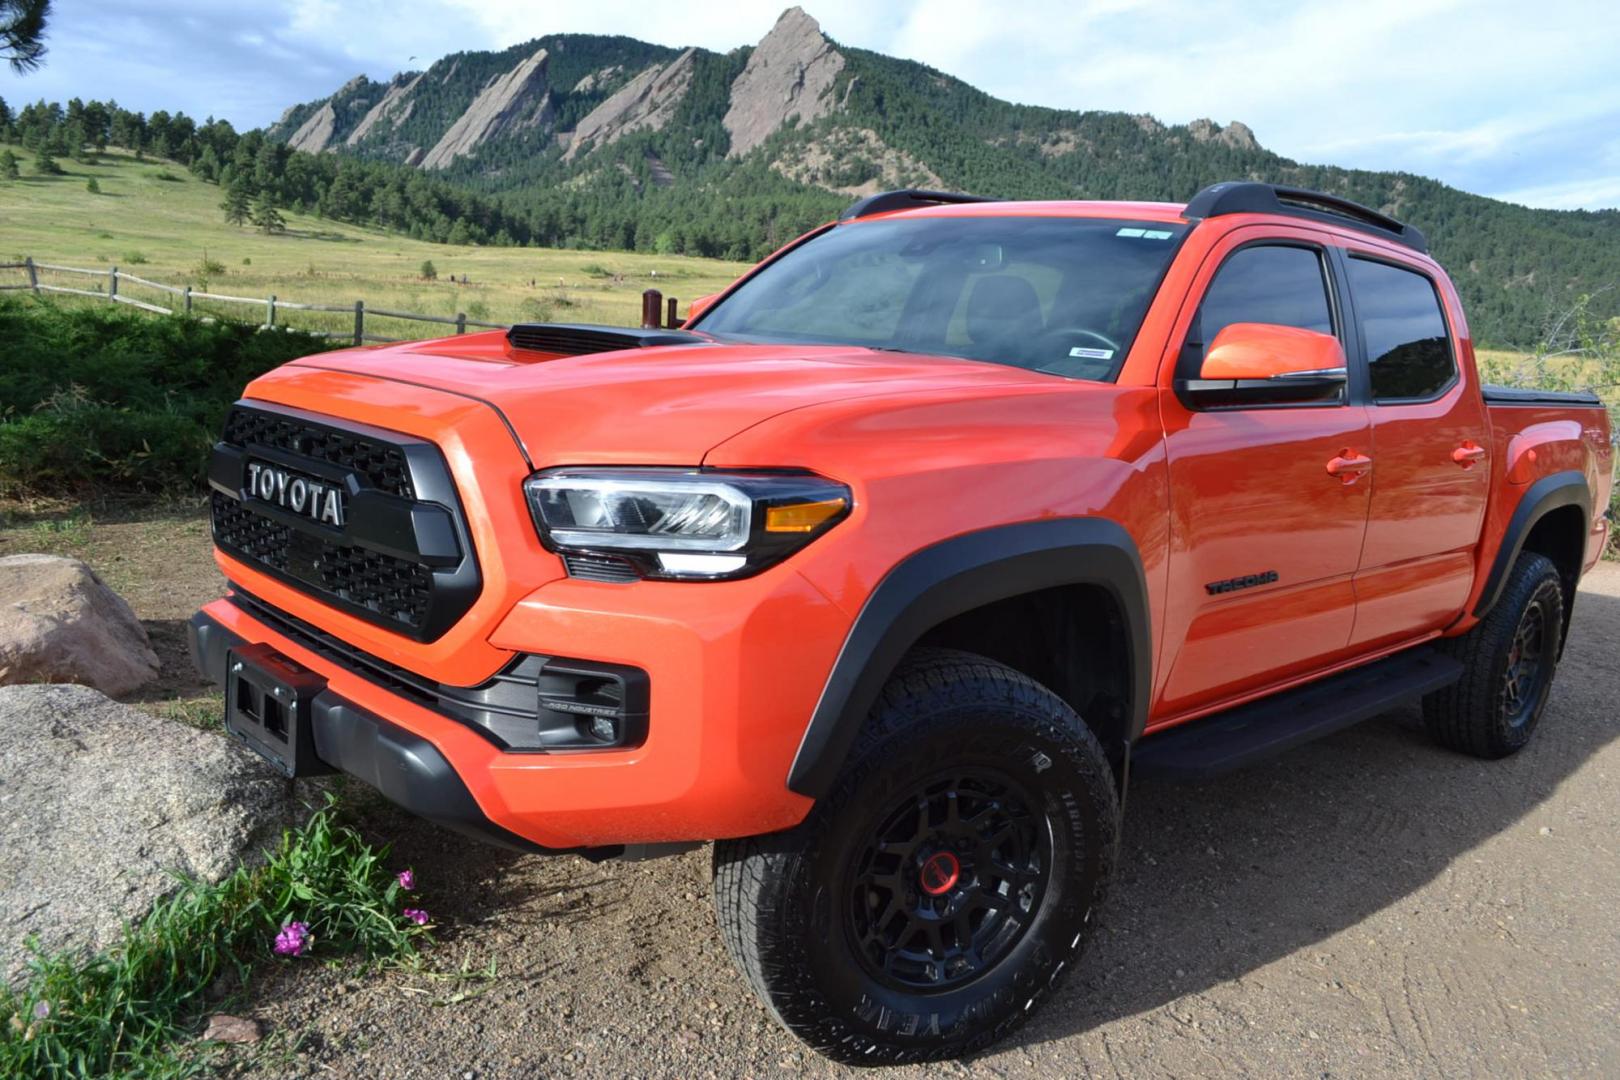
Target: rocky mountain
[{"x": 613, "y": 142}]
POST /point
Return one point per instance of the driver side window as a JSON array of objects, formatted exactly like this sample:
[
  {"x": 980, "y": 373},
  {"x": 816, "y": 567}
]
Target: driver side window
[{"x": 1270, "y": 283}]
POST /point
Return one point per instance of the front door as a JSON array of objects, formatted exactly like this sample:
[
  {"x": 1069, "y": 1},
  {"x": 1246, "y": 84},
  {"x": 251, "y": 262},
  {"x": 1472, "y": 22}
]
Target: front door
[{"x": 1265, "y": 539}]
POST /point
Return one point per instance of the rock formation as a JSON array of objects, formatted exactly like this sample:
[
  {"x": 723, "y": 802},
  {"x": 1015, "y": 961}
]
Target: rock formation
[
  {"x": 789, "y": 74},
  {"x": 647, "y": 101},
  {"x": 391, "y": 110},
  {"x": 514, "y": 102},
  {"x": 315, "y": 134}
]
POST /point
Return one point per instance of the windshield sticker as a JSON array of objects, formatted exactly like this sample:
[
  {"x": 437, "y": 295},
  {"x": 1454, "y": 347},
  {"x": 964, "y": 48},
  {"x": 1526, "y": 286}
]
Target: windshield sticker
[
  {"x": 1131, "y": 232},
  {"x": 1156, "y": 234},
  {"x": 1091, "y": 354}
]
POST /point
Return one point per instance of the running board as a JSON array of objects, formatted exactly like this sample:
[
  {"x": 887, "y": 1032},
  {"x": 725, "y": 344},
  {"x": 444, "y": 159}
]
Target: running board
[{"x": 1230, "y": 740}]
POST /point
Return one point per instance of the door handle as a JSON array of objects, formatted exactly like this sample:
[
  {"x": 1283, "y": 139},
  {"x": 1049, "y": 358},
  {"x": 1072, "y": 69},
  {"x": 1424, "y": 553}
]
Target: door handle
[
  {"x": 1468, "y": 454},
  {"x": 1349, "y": 466}
]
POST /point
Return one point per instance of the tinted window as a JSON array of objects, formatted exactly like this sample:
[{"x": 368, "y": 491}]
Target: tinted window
[
  {"x": 1408, "y": 347},
  {"x": 1284, "y": 286},
  {"x": 1058, "y": 295}
]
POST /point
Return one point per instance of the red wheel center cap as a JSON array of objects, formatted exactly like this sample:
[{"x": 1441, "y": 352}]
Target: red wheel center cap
[{"x": 939, "y": 874}]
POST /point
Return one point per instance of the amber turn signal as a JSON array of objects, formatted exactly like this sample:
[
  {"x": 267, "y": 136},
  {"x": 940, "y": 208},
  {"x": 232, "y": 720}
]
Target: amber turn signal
[{"x": 802, "y": 517}]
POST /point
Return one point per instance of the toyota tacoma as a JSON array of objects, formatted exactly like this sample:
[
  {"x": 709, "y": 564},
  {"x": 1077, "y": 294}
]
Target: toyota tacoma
[{"x": 887, "y": 568}]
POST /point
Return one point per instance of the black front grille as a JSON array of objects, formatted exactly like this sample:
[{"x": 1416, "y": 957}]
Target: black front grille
[
  {"x": 400, "y": 558},
  {"x": 382, "y": 465}
]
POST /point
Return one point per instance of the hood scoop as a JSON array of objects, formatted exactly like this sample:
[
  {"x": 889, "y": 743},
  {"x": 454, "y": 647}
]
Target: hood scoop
[{"x": 582, "y": 339}]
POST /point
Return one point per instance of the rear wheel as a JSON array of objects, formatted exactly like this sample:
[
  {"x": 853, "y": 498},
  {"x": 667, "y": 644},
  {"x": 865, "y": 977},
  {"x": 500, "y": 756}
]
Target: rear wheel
[
  {"x": 1509, "y": 661},
  {"x": 945, "y": 885}
]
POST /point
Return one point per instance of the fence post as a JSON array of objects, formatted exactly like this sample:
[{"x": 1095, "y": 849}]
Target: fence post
[
  {"x": 461, "y": 322},
  {"x": 270, "y": 312},
  {"x": 187, "y": 295},
  {"x": 359, "y": 322},
  {"x": 33, "y": 273},
  {"x": 112, "y": 284}
]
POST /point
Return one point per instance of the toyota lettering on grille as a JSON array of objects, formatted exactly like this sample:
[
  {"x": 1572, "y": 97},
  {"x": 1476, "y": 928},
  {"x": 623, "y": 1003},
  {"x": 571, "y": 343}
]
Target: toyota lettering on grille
[{"x": 319, "y": 500}]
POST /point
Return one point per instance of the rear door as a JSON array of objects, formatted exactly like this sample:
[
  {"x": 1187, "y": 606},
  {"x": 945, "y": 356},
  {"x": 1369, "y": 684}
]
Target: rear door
[
  {"x": 1265, "y": 541},
  {"x": 1430, "y": 447}
]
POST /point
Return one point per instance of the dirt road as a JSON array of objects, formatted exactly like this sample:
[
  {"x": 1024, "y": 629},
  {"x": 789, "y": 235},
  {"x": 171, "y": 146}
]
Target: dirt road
[{"x": 1366, "y": 906}]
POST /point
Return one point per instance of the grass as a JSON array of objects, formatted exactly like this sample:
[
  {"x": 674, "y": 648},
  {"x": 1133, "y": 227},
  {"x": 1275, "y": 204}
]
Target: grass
[
  {"x": 172, "y": 220},
  {"x": 131, "y": 1011}
]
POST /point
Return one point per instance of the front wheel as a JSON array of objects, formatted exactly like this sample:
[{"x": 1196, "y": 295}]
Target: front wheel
[{"x": 945, "y": 885}]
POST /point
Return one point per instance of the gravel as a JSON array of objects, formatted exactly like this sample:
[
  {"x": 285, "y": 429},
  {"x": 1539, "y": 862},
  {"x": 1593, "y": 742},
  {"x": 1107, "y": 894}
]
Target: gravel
[{"x": 1367, "y": 905}]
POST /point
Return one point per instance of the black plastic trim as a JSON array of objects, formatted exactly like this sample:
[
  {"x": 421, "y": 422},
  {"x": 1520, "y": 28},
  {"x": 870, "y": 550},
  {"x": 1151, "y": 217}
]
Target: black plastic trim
[
  {"x": 907, "y": 199},
  {"x": 1542, "y": 497},
  {"x": 1522, "y": 396},
  {"x": 406, "y": 768},
  {"x": 1249, "y": 197},
  {"x": 428, "y": 530},
  {"x": 585, "y": 339},
  {"x": 955, "y": 576}
]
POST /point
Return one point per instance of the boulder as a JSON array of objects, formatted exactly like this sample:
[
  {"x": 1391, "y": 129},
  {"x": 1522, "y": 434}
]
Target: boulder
[
  {"x": 59, "y": 623},
  {"x": 101, "y": 805}
]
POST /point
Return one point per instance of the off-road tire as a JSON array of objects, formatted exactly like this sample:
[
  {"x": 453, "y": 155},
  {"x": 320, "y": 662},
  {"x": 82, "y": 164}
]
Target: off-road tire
[
  {"x": 1481, "y": 713},
  {"x": 947, "y": 730}
]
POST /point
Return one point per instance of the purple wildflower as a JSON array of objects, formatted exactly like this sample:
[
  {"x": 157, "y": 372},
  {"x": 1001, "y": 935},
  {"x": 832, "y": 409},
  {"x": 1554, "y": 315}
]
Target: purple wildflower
[
  {"x": 416, "y": 915},
  {"x": 292, "y": 939},
  {"x": 42, "y": 1009},
  {"x": 407, "y": 880}
]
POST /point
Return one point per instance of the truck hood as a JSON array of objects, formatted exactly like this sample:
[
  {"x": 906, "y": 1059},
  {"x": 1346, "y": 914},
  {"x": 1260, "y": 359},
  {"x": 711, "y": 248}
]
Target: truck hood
[{"x": 666, "y": 405}]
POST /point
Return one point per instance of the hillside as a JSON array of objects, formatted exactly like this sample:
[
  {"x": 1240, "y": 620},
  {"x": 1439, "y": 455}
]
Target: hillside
[
  {"x": 156, "y": 220},
  {"x": 612, "y": 142}
]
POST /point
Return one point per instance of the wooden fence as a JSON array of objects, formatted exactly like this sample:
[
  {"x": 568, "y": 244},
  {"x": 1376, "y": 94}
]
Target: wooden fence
[{"x": 185, "y": 296}]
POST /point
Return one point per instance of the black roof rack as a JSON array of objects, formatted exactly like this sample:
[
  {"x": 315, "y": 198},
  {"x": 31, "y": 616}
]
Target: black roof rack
[
  {"x": 909, "y": 199},
  {"x": 1246, "y": 197}
]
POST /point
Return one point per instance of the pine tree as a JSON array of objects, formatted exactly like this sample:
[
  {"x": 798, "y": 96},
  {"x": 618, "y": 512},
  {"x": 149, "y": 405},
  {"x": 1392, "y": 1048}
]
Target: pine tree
[
  {"x": 266, "y": 217},
  {"x": 8, "y": 166},
  {"x": 45, "y": 162},
  {"x": 237, "y": 204},
  {"x": 92, "y": 186}
]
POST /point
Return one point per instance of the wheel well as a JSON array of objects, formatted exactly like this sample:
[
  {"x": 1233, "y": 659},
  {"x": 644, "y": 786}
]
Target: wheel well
[
  {"x": 1560, "y": 535},
  {"x": 1072, "y": 639}
]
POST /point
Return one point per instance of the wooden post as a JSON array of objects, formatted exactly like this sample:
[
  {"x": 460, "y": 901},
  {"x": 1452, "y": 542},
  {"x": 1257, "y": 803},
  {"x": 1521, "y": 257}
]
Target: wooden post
[
  {"x": 270, "y": 312},
  {"x": 112, "y": 284},
  {"x": 187, "y": 295},
  {"x": 461, "y": 322},
  {"x": 33, "y": 273},
  {"x": 673, "y": 321},
  {"x": 652, "y": 302},
  {"x": 359, "y": 322}
]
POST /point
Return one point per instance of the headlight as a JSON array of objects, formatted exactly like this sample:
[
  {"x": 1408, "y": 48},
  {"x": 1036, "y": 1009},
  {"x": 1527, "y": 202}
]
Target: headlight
[{"x": 687, "y": 524}]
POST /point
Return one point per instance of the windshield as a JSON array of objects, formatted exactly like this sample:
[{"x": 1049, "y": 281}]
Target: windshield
[{"x": 1058, "y": 295}]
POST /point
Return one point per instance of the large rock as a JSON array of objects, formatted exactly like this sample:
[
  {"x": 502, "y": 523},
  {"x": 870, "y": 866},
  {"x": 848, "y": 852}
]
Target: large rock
[
  {"x": 790, "y": 73},
  {"x": 101, "y": 804},
  {"x": 316, "y": 133},
  {"x": 59, "y": 623},
  {"x": 517, "y": 101},
  {"x": 646, "y": 102}
]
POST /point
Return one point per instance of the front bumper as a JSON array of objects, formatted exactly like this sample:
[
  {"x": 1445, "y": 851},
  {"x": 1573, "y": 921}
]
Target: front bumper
[{"x": 406, "y": 768}]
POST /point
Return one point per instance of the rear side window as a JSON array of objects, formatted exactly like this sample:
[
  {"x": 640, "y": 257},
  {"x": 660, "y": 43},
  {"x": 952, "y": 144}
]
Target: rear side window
[
  {"x": 1408, "y": 346},
  {"x": 1271, "y": 283}
]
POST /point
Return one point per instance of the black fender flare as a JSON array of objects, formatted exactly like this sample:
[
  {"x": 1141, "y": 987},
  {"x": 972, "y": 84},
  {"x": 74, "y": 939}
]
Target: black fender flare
[
  {"x": 1568, "y": 488},
  {"x": 958, "y": 575}
]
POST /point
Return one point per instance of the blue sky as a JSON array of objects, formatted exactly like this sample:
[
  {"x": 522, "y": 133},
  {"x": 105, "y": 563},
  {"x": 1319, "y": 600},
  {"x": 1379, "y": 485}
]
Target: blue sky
[{"x": 1511, "y": 99}]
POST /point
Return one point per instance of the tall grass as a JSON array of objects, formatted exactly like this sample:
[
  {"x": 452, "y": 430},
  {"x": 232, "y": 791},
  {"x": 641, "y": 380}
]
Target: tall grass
[{"x": 127, "y": 1012}]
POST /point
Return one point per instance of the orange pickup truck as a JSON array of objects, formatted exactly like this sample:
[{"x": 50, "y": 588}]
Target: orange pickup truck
[{"x": 888, "y": 567}]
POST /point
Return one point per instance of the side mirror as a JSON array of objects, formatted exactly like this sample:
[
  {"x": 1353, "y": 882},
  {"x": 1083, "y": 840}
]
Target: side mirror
[
  {"x": 1264, "y": 364},
  {"x": 698, "y": 306}
]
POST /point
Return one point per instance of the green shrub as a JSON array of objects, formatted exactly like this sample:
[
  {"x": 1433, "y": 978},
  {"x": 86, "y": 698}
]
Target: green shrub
[
  {"x": 104, "y": 398},
  {"x": 124, "y": 1012}
]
